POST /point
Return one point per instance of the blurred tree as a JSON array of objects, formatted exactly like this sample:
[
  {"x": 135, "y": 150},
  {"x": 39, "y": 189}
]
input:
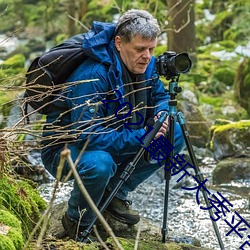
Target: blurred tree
[{"x": 181, "y": 27}]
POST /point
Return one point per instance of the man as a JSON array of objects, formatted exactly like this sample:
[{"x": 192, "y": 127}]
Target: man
[{"x": 123, "y": 80}]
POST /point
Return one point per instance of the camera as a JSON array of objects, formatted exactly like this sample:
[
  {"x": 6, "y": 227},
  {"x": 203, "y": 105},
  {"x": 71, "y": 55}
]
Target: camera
[{"x": 171, "y": 65}]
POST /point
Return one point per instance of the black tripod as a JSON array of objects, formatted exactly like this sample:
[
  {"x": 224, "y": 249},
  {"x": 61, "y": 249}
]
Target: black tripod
[{"x": 173, "y": 90}]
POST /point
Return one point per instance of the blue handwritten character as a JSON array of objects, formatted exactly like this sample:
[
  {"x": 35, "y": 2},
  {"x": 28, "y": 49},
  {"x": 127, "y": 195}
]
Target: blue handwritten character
[
  {"x": 159, "y": 149},
  {"x": 245, "y": 243},
  {"x": 237, "y": 224},
  {"x": 220, "y": 204},
  {"x": 201, "y": 185}
]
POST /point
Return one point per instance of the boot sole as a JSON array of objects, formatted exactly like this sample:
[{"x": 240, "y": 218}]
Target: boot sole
[{"x": 121, "y": 219}]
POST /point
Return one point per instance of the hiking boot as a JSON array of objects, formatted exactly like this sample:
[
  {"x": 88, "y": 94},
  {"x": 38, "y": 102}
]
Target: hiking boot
[
  {"x": 75, "y": 231},
  {"x": 121, "y": 211}
]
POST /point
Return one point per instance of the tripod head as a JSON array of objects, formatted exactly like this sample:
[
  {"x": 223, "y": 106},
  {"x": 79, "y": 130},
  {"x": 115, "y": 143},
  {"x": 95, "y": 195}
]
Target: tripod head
[{"x": 174, "y": 89}]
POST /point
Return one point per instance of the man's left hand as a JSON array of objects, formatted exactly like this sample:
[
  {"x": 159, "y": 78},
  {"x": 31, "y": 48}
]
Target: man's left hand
[{"x": 164, "y": 128}]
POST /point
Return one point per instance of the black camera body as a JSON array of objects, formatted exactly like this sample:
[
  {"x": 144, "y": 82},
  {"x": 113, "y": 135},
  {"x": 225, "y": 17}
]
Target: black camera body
[{"x": 171, "y": 65}]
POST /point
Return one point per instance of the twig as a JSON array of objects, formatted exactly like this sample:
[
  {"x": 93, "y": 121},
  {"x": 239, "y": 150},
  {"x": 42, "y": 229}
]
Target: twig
[
  {"x": 77, "y": 21},
  {"x": 45, "y": 217},
  {"x": 66, "y": 154},
  {"x": 137, "y": 236},
  {"x": 99, "y": 238}
]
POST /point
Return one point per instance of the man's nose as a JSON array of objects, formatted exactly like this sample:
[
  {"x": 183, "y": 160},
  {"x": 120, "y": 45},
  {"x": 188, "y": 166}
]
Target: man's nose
[{"x": 146, "y": 54}]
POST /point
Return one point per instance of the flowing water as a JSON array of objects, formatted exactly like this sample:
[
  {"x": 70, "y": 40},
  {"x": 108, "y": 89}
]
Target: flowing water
[{"x": 185, "y": 218}]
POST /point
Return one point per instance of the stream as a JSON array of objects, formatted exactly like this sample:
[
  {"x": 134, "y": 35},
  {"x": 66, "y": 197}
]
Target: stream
[{"x": 185, "y": 218}]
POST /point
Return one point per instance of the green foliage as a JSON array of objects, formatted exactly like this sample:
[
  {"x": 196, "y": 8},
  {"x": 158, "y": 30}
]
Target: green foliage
[
  {"x": 13, "y": 238},
  {"x": 242, "y": 84},
  {"x": 6, "y": 243},
  {"x": 229, "y": 23},
  {"x": 22, "y": 200},
  {"x": 224, "y": 75},
  {"x": 219, "y": 102},
  {"x": 17, "y": 61},
  {"x": 214, "y": 101},
  {"x": 12, "y": 67}
]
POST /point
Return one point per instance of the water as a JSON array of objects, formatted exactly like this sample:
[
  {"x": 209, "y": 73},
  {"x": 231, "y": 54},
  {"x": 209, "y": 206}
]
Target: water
[{"x": 185, "y": 218}]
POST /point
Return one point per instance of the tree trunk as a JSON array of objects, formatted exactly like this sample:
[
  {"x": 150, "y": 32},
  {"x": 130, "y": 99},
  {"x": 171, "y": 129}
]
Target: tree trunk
[
  {"x": 71, "y": 6},
  {"x": 83, "y": 7},
  {"x": 181, "y": 27}
]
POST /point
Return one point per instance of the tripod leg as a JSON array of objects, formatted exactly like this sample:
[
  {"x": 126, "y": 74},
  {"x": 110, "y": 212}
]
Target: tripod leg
[
  {"x": 198, "y": 173},
  {"x": 167, "y": 176}
]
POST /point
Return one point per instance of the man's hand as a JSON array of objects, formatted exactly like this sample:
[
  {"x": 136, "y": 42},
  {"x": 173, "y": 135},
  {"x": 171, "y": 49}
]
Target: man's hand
[{"x": 164, "y": 128}]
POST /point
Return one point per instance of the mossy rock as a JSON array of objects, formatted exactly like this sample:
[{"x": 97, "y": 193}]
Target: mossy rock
[
  {"x": 150, "y": 235},
  {"x": 128, "y": 244},
  {"x": 11, "y": 237},
  {"x": 230, "y": 139},
  {"x": 22, "y": 200}
]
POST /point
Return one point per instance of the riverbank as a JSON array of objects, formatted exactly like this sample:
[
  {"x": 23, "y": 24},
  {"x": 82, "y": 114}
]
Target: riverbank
[{"x": 185, "y": 218}]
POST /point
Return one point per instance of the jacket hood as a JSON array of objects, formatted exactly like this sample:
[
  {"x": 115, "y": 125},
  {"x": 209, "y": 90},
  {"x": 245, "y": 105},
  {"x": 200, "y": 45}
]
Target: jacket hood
[{"x": 98, "y": 43}]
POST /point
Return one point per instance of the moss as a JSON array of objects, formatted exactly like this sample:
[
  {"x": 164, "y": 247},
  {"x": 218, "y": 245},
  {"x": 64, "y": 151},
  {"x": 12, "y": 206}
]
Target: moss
[
  {"x": 128, "y": 244},
  {"x": 214, "y": 101},
  {"x": 16, "y": 237},
  {"x": 13, "y": 239},
  {"x": 16, "y": 61},
  {"x": 235, "y": 125},
  {"x": 21, "y": 199},
  {"x": 242, "y": 84},
  {"x": 13, "y": 71},
  {"x": 225, "y": 75},
  {"x": 6, "y": 243},
  {"x": 220, "y": 132},
  {"x": 219, "y": 103},
  {"x": 9, "y": 219}
]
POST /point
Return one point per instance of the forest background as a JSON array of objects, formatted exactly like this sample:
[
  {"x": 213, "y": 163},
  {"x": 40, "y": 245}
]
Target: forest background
[{"x": 214, "y": 33}]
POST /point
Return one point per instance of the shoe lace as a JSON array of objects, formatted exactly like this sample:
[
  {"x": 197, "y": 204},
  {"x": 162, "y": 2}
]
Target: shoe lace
[{"x": 127, "y": 203}]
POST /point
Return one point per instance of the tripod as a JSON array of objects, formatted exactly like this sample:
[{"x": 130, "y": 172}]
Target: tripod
[{"x": 173, "y": 90}]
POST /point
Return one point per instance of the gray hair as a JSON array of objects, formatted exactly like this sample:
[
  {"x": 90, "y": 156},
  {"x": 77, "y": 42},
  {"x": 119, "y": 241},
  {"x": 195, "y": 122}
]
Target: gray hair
[{"x": 137, "y": 22}]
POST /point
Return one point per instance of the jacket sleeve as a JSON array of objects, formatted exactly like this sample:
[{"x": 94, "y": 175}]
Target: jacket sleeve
[{"x": 88, "y": 115}]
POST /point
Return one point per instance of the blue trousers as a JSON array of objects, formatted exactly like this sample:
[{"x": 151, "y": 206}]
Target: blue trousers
[{"x": 100, "y": 170}]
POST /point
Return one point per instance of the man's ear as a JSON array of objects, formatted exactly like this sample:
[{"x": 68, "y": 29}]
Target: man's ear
[{"x": 118, "y": 42}]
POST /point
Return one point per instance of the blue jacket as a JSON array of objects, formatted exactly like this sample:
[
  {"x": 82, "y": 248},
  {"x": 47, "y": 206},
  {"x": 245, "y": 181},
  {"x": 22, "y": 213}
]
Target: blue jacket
[{"x": 88, "y": 118}]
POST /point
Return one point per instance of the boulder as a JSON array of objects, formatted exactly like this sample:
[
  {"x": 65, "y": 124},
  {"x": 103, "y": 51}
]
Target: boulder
[
  {"x": 230, "y": 139},
  {"x": 231, "y": 169}
]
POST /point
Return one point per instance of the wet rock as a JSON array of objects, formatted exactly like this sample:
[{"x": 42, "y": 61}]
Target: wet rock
[
  {"x": 232, "y": 139},
  {"x": 231, "y": 169}
]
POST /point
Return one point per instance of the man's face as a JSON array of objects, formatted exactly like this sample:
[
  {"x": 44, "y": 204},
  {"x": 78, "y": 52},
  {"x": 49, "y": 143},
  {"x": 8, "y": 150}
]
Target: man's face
[{"x": 137, "y": 53}]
